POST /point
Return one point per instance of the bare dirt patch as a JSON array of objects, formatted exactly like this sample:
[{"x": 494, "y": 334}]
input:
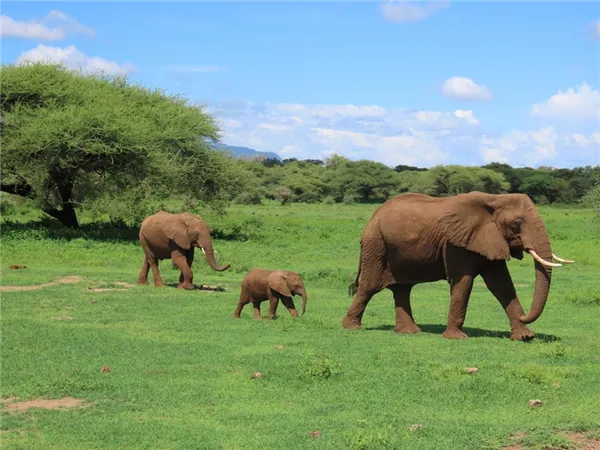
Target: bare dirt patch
[
  {"x": 124, "y": 287},
  {"x": 71, "y": 279},
  {"x": 61, "y": 404},
  {"x": 581, "y": 441},
  {"x": 62, "y": 318},
  {"x": 16, "y": 267}
]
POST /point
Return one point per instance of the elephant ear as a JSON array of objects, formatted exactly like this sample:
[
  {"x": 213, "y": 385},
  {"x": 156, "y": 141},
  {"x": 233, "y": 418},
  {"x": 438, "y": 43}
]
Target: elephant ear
[
  {"x": 177, "y": 231},
  {"x": 469, "y": 223},
  {"x": 277, "y": 282}
]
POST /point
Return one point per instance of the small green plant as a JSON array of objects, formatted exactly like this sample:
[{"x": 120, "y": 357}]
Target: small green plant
[
  {"x": 554, "y": 350},
  {"x": 321, "y": 367}
]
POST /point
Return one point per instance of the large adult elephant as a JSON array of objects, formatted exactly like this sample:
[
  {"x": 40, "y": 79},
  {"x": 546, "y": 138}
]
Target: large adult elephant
[
  {"x": 415, "y": 238},
  {"x": 174, "y": 236}
]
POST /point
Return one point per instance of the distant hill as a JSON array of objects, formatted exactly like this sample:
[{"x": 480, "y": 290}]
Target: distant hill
[{"x": 245, "y": 152}]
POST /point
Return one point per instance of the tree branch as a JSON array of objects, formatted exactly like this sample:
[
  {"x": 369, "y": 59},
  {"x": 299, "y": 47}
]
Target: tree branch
[{"x": 22, "y": 189}]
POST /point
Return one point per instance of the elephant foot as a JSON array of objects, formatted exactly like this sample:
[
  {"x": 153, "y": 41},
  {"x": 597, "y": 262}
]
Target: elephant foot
[
  {"x": 353, "y": 324},
  {"x": 410, "y": 329},
  {"x": 454, "y": 333},
  {"x": 159, "y": 284},
  {"x": 186, "y": 286},
  {"x": 522, "y": 334},
  {"x": 143, "y": 282},
  {"x": 236, "y": 316}
]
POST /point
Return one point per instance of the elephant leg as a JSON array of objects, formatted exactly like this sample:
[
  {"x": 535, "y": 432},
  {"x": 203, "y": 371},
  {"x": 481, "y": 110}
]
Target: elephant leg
[
  {"x": 189, "y": 259},
  {"x": 241, "y": 303},
  {"x": 143, "y": 276},
  {"x": 257, "y": 315},
  {"x": 273, "y": 304},
  {"x": 158, "y": 281},
  {"x": 460, "y": 291},
  {"x": 186, "y": 277},
  {"x": 497, "y": 278},
  {"x": 288, "y": 302},
  {"x": 357, "y": 308},
  {"x": 404, "y": 318}
]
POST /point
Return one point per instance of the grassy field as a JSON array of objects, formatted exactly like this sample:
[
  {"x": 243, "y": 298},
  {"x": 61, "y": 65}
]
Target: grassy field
[{"x": 178, "y": 366}]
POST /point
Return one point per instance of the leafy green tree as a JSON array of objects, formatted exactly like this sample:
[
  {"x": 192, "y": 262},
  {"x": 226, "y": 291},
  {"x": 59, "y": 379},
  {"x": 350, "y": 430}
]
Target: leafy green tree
[
  {"x": 592, "y": 199},
  {"x": 540, "y": 187},
  {"x": 305, "y": 180},
  {"x": 419, "y": 182},
  {"x": 454, "y": 179},
  {"x": 71, "y": 141},
  {"x": 361, "y": 181},
  {"x": 402, "y": 168},
  {"x": 512, "y": 175}
]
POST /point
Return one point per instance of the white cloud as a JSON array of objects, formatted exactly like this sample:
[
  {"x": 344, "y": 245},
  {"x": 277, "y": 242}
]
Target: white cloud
[
  {"x": 463, "y": 88},
  {"x": 467, "y": 115},
  {"x": 55, "y": 26},
  {"x": 393, "y": 136},
  {"x": 73, "y": 59},
  {"x": 406, "y": 12},
  {"x": 274, "y": 127},
  {"x": 397, "y": 135},
  {"x": 187, "y": 68},
  {"x": 544, "y": 145},
  {"x": 580, "y": 103}
]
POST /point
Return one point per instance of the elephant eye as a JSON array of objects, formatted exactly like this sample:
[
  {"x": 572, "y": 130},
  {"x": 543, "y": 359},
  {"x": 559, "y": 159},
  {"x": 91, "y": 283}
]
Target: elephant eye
[{"x": 516, "y": 224}]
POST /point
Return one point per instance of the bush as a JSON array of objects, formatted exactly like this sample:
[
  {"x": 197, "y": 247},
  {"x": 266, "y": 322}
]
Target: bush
[
  {"x": 592, "y": 199},
  {"x": 283, "y": 195},
  {"x": 248, "y": 198}
]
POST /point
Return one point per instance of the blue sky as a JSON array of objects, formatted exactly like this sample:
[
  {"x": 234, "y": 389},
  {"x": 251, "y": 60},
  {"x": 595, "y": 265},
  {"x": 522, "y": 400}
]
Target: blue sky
[{"x": 402, "y": 83}]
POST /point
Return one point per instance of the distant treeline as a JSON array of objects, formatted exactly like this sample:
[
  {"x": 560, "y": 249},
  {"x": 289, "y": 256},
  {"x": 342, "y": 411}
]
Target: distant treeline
[{"x": 339, "y": 179}]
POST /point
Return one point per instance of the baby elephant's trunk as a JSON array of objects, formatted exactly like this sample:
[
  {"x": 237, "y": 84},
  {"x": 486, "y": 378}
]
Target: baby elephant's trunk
[{"x": 303, "y": 302}]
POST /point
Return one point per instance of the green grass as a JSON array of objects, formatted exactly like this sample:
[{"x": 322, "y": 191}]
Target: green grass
[{"x": 182, "y": 366}]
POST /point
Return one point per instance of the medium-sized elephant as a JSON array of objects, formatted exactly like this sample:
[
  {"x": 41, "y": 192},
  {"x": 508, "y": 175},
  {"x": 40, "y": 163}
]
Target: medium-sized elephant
[
  {"x": 174, "y": 236},
  {"x": 273, "y": 285}
]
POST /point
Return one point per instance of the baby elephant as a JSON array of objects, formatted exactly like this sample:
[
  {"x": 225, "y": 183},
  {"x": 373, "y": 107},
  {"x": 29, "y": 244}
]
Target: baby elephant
[{"x": 260, "y": 285}]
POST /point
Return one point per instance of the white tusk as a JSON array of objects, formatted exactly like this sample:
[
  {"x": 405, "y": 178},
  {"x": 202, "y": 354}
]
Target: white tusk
[
  {"x": 201, "y": 248},
  {"x": 559, "y": 259},
  {"x": 543, "y": 261}
]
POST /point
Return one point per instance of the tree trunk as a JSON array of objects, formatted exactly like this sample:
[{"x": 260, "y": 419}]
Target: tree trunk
[{"x": 67, "y": 215}]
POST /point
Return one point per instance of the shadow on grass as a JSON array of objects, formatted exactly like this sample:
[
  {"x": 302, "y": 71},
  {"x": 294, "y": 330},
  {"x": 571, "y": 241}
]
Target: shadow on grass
[
  {"x": 47, "y": 228},
  {"x": 471, "y": 332},
  {"x": 201, "y": 287}
]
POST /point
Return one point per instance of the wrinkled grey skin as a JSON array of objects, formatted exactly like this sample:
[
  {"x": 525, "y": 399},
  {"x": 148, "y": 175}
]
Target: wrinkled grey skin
[
  {"x": 273, "y": 285},
  {"x": 175, "y": 236}
]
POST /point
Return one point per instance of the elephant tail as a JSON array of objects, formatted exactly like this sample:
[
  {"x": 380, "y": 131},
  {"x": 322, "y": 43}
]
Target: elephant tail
[{"x": 354, "y": 285}]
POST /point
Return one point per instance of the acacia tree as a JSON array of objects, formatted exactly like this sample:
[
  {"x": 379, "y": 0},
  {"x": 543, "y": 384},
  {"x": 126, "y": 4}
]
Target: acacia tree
[{"x": 72, "y": 141}]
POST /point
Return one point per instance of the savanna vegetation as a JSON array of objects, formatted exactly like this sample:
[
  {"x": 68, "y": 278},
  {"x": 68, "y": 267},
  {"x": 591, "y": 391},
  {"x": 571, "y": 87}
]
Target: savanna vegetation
[
  {"x": 168, "y": 368},
  {"x": 100, "y": 144},
  {"x": 181, "y": 366}
]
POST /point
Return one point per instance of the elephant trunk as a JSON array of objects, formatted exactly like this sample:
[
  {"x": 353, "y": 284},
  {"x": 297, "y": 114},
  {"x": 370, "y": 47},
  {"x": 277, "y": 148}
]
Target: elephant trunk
[
  {"x": 209, "y": 253},
  {"x": 303, "y": 302},
  {"x": 542, "y": 253}
]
